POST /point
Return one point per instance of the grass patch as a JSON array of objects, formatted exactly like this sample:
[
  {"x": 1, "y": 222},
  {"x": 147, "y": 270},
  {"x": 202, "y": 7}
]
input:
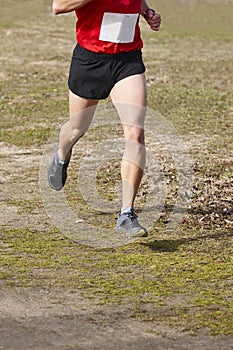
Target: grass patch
[
  {"x": 194, "y": 19},
  {"x": 167, "y": 272},
  {"x": 196, "y": 110}
]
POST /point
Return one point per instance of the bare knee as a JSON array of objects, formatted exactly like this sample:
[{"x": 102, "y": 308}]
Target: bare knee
[
  {"x": 70, "y": 133},
  {"x": 76, "y": 134},
  {"x": 134, "y": 133}
]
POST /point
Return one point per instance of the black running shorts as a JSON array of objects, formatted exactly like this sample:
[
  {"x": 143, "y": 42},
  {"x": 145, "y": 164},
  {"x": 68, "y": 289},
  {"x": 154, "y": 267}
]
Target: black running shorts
[{"x": 93, "y": 75}]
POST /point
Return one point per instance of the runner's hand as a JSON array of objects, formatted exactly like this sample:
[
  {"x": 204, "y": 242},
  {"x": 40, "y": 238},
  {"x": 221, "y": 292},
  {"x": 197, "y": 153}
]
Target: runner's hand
[{"x": 153, "y": 19}]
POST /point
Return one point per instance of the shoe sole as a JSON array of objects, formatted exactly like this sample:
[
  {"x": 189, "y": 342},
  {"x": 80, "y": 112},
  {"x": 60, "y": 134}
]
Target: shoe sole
[
  {"x": 51, "y": 185},
  {"x": 139, "y": 234}
]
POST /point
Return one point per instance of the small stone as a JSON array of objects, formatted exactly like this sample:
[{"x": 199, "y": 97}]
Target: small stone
[{"x": 204, "y": 262}]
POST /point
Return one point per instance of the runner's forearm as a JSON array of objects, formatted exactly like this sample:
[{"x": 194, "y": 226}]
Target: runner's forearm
[
  {"x": 64, "y": 6},
  {"x": 144, "y": 6}
]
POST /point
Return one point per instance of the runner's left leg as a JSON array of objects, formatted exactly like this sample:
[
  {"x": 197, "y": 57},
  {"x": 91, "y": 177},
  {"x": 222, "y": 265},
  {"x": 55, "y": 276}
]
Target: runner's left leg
[{"x": 129, "y": 98}]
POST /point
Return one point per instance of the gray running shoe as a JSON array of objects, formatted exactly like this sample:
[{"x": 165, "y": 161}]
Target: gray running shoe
[
  {"x": 128, "y": 223},
  {"x": 57, "y": 173}
]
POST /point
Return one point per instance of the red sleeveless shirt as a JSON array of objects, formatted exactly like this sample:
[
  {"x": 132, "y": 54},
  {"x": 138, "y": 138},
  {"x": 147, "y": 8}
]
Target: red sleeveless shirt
[{"x": 90, "y": 23}]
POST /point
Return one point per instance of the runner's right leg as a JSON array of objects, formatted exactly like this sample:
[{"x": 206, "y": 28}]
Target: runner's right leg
[{"x": 81, "y": 114}]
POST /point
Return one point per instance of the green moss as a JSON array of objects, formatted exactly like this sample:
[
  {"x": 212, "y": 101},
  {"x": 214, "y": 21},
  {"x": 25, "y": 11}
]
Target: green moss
[{"x": 149, "y": 274}]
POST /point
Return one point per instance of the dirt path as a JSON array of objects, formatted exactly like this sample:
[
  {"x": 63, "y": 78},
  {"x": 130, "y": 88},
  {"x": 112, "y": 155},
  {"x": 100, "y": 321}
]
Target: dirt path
[{"x": 48, "y": 320}]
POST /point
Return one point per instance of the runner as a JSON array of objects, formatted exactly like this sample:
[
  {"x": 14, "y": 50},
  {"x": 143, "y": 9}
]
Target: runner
[{"x": 107, "y": 61}]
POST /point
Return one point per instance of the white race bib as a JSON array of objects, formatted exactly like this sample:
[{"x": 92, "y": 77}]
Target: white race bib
[{"x": 118, "y": 27}]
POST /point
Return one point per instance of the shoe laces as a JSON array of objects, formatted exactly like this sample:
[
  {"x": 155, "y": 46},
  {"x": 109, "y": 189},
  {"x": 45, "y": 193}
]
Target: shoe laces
[{"x": 131, "y": 215}]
